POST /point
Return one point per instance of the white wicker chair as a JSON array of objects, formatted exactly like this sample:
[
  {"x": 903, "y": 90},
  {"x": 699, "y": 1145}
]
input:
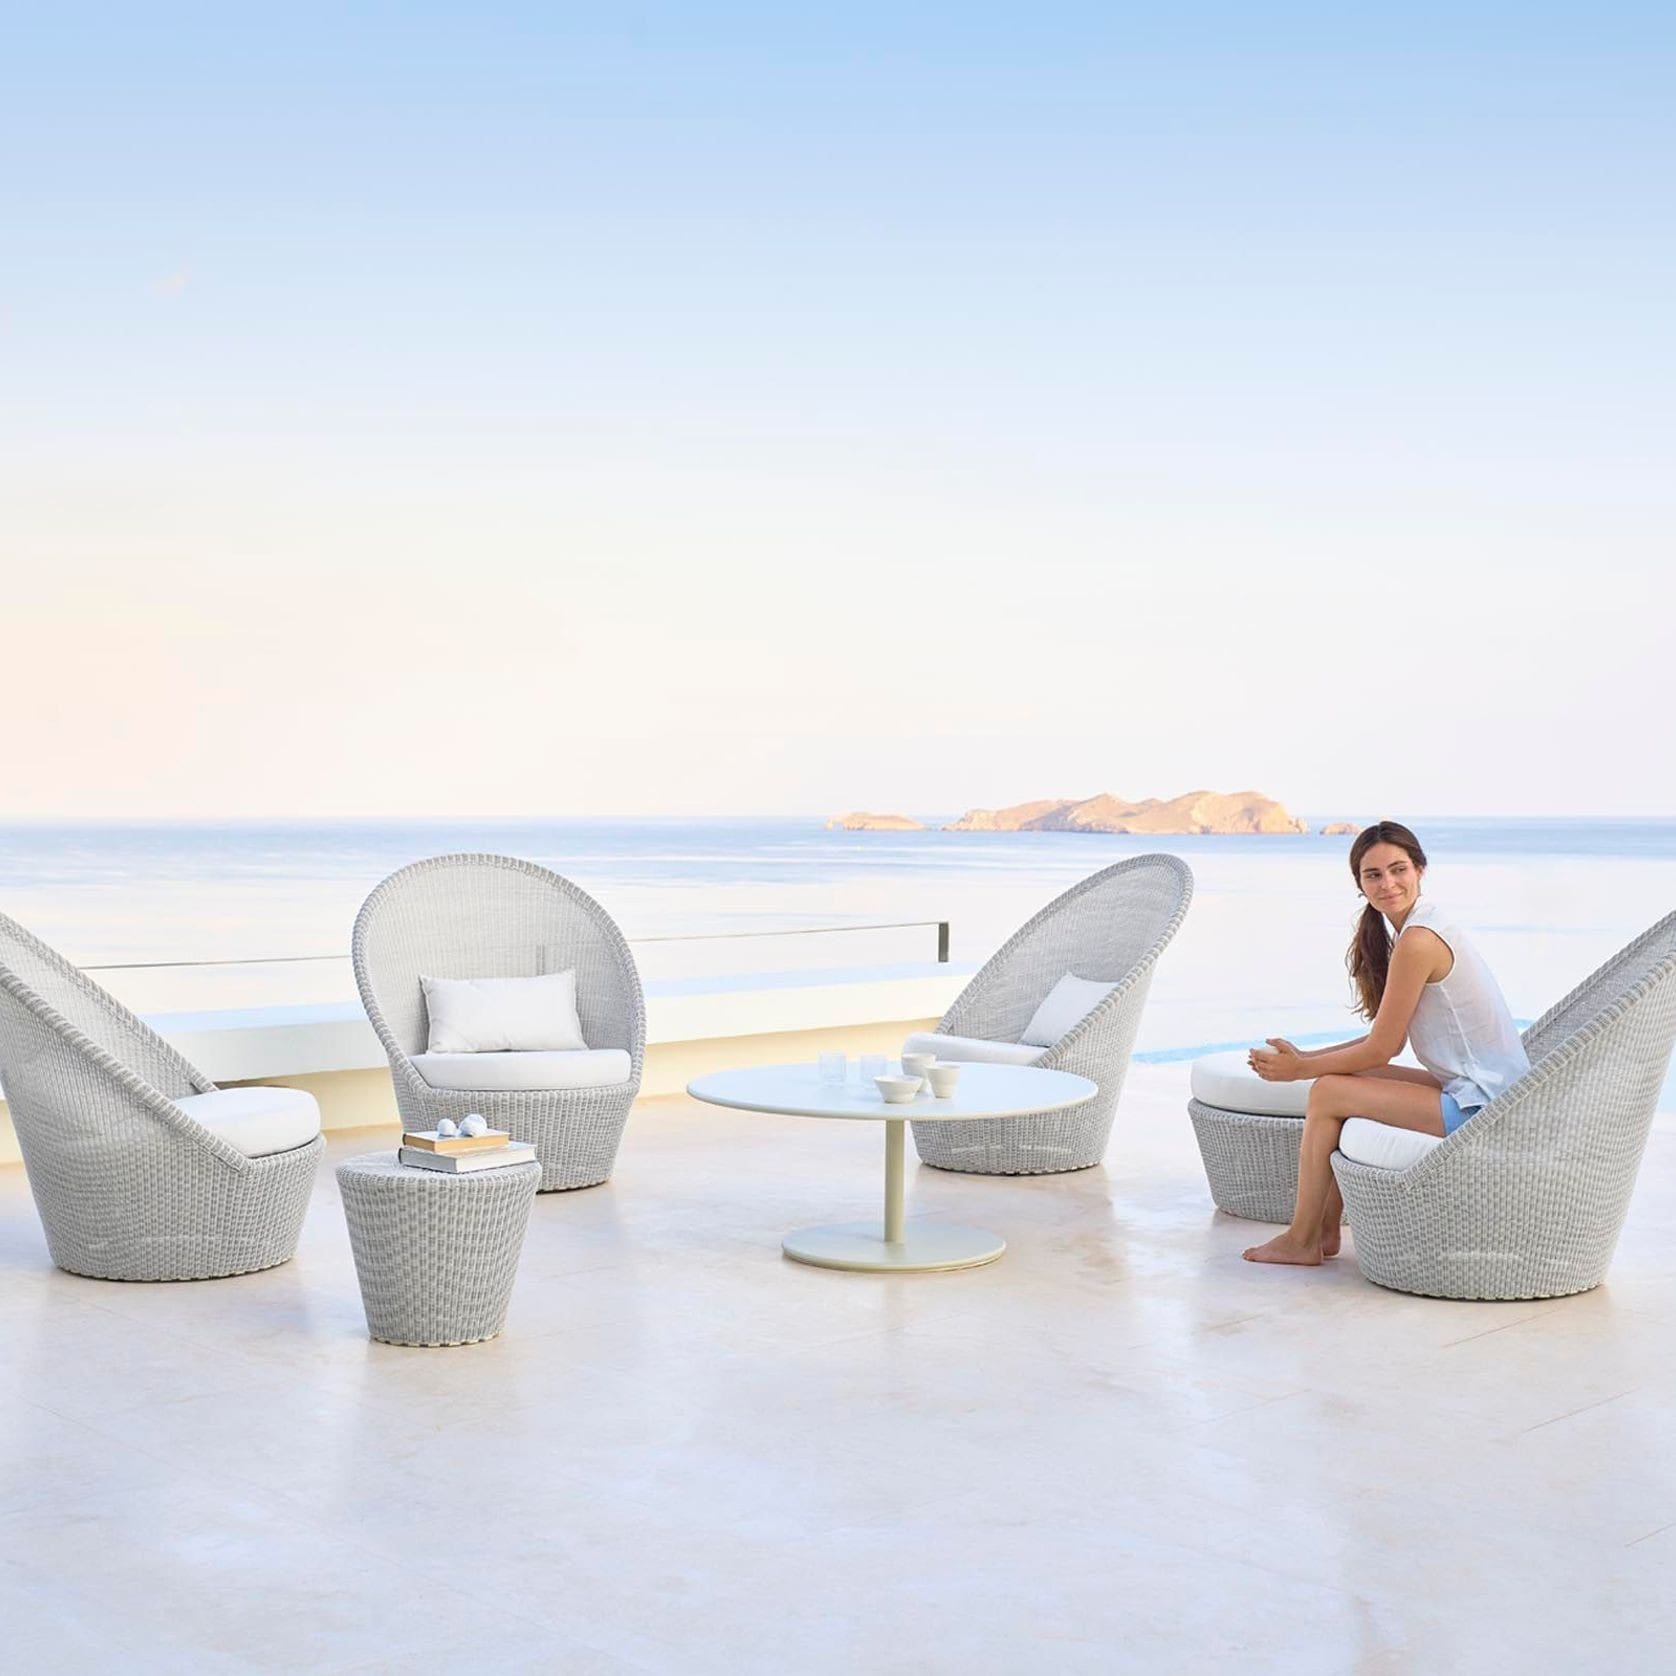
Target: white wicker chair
[
  {"x": 1526, "y": 1200},
  {"x": 1111, "y": 927},
  {"x": 129, "y": 1186},
  {"x": 492, "y": 916}
]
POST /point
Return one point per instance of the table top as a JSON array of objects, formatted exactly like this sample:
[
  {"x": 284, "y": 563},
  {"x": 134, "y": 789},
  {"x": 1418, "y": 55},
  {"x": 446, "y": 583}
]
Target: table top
[
  {"x": 387, "y": 1166},
  {"x": 983, "y": 1091}
]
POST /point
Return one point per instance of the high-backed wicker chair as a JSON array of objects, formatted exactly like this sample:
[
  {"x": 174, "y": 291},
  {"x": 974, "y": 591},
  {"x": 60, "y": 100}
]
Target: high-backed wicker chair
[
  {"x": 130, "y": 1184},
  {"x": 1526, "y": 1200},
  {"x": 1112, "y": 928},
  {"x": 492, "y": 916}
]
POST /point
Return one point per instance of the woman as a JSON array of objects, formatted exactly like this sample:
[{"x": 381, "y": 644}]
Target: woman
[{"x": 1419, "y": 980}]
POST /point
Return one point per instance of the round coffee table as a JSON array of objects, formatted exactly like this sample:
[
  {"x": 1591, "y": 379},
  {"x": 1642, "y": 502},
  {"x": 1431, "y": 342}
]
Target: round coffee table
[{"x": 894, "y": 1245}]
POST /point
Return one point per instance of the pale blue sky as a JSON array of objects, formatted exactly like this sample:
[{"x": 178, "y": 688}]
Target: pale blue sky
[{"x": 415, "y": 408}]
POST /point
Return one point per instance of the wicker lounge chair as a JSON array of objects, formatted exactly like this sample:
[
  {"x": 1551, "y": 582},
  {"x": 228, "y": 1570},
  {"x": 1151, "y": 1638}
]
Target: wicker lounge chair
[
  {"x": 1526, "y": 1200},
  {"x": 491, "y": 916},
  {"x": 130, "y": 1183},
  {"x": 1112, "y": 927}
]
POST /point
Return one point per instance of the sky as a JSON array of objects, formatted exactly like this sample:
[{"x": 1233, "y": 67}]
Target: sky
[{"x": 417, "y": 409}]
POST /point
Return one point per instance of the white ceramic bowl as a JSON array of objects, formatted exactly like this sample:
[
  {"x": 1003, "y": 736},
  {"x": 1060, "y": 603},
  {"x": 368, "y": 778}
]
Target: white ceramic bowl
[
  {"x": 943, "y": 1079},
  {"x": 898, "y": 1091},
  {"x": 917, "y": 1064}
]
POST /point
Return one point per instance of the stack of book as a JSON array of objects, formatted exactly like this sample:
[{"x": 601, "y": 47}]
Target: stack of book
[{"x": 455, "y": 1155}]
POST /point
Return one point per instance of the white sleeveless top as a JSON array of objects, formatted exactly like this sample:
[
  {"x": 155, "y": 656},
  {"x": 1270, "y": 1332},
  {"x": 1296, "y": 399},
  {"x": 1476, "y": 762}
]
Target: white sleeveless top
[{"x": 1462, "y": 1031}]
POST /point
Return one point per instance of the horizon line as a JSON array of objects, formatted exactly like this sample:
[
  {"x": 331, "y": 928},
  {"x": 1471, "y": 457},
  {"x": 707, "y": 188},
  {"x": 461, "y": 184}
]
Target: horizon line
[{"x": 114, "y": 818}]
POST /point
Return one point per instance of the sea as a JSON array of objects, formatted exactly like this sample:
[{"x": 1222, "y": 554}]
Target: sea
[{"x": 187, "y": 915}]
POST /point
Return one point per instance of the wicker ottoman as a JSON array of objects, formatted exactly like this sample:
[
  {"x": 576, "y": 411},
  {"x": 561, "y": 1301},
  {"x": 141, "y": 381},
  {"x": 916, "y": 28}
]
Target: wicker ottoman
[
  {"x": 436, "y": 1254},
  {"x": 1248, "y": 1132}
]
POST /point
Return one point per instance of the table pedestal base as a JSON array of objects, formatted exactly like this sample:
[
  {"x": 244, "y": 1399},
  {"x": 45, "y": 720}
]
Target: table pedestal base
[{"x": 924, "y": 1246}]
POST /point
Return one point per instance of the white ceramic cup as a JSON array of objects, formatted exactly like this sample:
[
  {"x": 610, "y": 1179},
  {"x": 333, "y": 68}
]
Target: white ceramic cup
[
  {"x": 898, "y": 1091},
  {"x": 943, "y": 1079},
  {"x": 917, "y": 1064}
]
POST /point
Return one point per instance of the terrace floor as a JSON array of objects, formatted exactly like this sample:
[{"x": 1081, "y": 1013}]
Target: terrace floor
[{"x": 1118, "y": 1449}]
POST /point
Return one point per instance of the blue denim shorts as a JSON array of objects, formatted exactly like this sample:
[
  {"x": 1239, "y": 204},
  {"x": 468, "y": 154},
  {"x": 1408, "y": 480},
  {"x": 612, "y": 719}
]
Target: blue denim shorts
[{"x": 1454, "y": 1115}]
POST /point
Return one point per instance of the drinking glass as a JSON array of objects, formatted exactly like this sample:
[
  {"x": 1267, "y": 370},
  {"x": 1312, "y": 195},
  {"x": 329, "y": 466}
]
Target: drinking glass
[
  {"x": 872, "y": 1065},
  {"x": 835, "y": 1069}
]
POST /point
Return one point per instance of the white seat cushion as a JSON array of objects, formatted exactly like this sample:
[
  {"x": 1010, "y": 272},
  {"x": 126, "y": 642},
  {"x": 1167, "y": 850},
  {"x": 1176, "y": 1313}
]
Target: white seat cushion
[
  {"x": 1384, "y": 1146},
  {"x": 509, "y": 1072},
  {"x": 257, "y": 1121},
  {"x": 1225, "y": 1081},
  {"x": 1063, "y": 1008},
  {"x": 968, "y": 1050},
  {"x": 503, "y": 1015}
]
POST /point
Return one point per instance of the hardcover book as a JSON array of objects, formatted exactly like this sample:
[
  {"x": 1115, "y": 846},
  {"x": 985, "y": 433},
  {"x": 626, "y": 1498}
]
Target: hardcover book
[
  {"x": 427, "y": 1140},
  {"x": 462, "y": 1163}
]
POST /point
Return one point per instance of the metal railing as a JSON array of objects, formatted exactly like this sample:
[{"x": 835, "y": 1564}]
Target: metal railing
[{"x": 941, "y": 925}]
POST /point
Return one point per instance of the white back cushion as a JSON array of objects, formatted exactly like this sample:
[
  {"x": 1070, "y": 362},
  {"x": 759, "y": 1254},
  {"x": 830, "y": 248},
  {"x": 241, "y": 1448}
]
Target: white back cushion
[
  {"x": 503, "y": 1015},
  {"x": 1066, "y": 1005}
]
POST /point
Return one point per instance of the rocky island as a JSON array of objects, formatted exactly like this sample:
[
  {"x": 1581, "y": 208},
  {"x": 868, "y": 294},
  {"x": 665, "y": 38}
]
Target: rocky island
[
  {"x": 1340, "y": 829},
  {"x": 1191, "y": 813},
  {"x": 858, "y": 820}
]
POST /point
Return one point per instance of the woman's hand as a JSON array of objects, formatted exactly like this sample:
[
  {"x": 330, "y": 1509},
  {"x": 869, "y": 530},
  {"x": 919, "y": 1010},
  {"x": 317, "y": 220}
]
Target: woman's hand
[{"x": 1284, "y": 1064}]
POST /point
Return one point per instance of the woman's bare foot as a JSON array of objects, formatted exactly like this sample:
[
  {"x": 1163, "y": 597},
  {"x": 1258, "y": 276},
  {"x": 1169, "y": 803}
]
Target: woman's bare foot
[
  {"x": 1332, "y": 1236},
  {"x": 1284, "y": 1249}
]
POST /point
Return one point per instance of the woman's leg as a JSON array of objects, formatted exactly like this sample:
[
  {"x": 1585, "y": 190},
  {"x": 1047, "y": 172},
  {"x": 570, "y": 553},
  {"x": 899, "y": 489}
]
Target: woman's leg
[
  {"x": 1332, "y": 1218},
  {"x": 1398, "y": 1101}
]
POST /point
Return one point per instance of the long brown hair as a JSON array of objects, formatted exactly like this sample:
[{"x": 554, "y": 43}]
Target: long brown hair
[{"x": 1369, "y": 959}]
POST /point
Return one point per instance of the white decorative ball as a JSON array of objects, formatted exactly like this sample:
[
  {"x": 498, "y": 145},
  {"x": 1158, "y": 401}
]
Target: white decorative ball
[
  {"x": 447, "y": 1129},
  {"x": 473, "y": 1125}
]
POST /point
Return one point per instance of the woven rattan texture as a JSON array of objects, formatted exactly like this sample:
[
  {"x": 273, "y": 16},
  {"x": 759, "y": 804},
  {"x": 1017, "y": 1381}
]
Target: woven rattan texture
[
  {"x": 1112, "y": 927},
  {"x": 128, "y": 1186},
  {"x": 436, "y": 1254},
  {"x": 1526, "y": 1200},
  {"x": 491, "y": 916},
  {"x": 1251, "y": 1160}
]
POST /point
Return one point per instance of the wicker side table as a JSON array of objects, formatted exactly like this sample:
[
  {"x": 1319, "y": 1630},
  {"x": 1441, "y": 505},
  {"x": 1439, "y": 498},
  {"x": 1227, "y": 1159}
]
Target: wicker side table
[{"x": 436, "y": 1254}]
